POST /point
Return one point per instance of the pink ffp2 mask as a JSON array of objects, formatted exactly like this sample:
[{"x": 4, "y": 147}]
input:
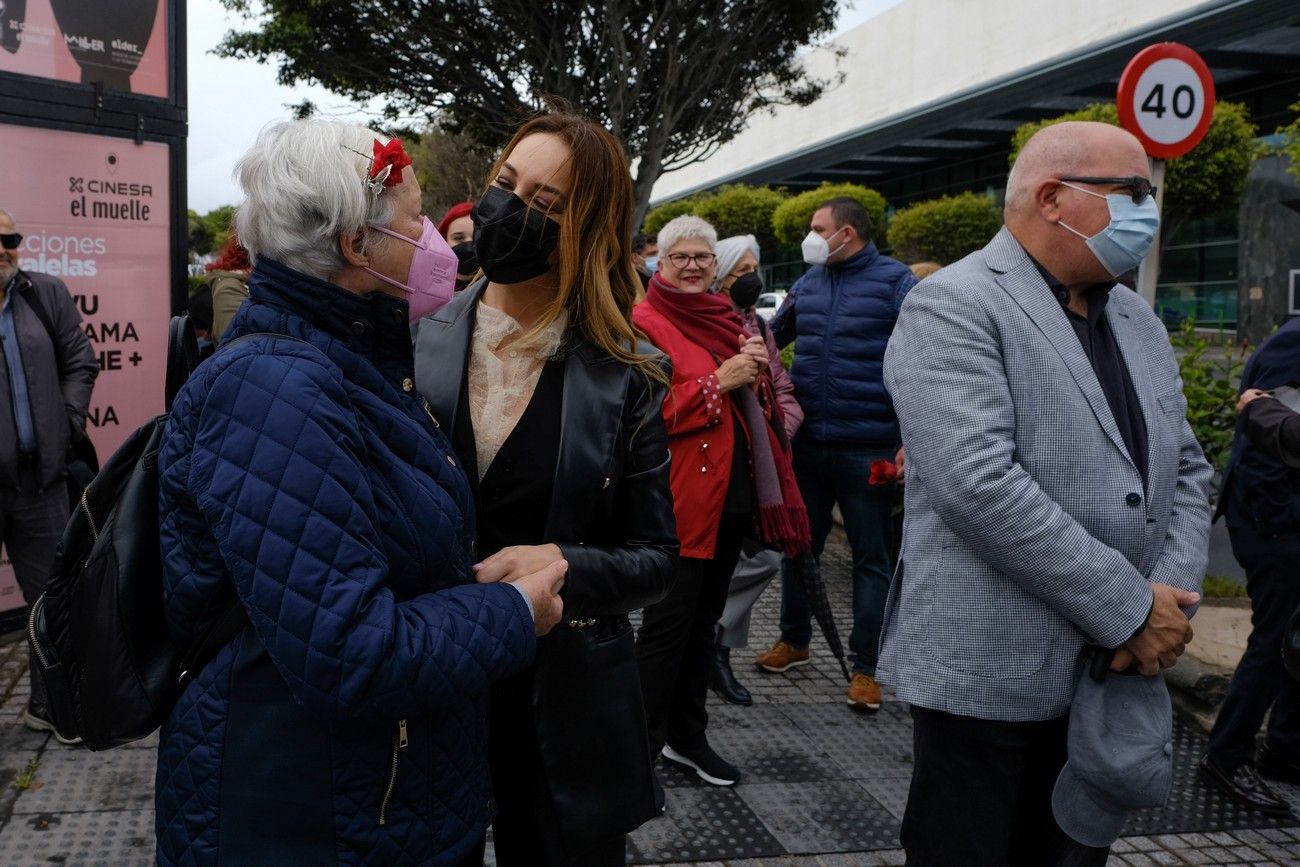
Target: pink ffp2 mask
[{"x": 431, "y": 279}]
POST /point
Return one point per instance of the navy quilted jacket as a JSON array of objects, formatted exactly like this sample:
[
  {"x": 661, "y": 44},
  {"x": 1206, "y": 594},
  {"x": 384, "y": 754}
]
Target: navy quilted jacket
[
  {"x": 843, "y": 316},
  {"x": 346, "y": 724}
]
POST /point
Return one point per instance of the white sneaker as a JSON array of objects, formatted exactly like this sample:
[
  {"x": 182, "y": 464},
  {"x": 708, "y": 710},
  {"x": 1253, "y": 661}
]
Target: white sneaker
[{"x": 41, "y": 724}]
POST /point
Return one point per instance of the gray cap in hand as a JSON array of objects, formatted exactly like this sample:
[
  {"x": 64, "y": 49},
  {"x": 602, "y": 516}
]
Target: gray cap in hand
[{"x": 1120, "y": 756}]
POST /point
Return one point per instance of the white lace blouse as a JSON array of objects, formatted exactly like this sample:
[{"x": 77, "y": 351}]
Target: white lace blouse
[{"x": 503, "y": 374}]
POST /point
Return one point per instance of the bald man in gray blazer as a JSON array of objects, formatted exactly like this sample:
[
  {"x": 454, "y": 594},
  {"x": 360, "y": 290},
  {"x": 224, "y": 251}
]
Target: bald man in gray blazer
[{"x": 1056, "y": 497}]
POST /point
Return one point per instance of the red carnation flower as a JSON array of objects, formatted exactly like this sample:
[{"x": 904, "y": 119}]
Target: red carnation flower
[
  {"x": 882, "y": 472},
  {"x": 391, "y": 154}
]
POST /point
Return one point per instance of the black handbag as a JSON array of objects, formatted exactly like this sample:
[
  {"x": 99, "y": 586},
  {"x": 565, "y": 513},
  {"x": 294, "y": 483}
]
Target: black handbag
[{"x": 592, "y": 729}]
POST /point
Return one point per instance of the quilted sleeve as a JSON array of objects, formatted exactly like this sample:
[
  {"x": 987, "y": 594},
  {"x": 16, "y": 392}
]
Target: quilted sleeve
[{"x": 278, "y": 473}]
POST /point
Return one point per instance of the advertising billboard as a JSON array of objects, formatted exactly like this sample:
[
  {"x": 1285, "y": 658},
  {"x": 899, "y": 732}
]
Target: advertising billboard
[
  {"x": 94, "y": 211},
  {"x": 121, "y": 44}
]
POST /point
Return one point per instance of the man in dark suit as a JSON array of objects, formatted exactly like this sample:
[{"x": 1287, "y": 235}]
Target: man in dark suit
[{"x": 1261, "y": 503}]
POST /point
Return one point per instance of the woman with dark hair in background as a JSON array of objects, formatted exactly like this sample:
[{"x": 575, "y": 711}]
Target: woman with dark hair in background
[{"x": 554, "y": 407}]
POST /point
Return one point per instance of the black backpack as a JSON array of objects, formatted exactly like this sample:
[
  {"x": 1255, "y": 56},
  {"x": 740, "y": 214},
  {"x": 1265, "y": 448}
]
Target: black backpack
[{"x": 111, "y": 672}]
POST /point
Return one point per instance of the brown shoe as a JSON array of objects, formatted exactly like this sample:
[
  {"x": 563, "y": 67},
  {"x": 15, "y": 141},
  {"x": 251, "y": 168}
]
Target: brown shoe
[
  {"x": 864, "y": 692},
  {"x": 782, "y": 657}
]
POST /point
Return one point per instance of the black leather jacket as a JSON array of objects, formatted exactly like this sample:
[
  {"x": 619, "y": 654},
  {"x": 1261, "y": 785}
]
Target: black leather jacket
[{"x": 611, "y": 513}]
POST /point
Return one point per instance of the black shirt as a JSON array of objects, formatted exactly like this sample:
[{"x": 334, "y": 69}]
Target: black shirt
[
  {"x": 1103, "y": 353},
  {"x": 514, "y": 497}
]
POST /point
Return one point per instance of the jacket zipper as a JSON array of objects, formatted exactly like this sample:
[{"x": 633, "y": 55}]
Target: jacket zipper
[
  {"x": 90, "y": 519},
  {"x": 31, "y": 631},
  {"x": 399, "y": 744}
]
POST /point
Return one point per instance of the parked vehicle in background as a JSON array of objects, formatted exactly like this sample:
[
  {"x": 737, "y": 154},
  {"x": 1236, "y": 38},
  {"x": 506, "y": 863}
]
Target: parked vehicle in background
[{"x": 768, "y": 303}]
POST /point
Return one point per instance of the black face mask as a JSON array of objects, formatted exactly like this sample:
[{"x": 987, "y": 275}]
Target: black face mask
[
  {"x": 746, "y": 289},
  {"x": 514, "y": 242},
  {"x": 466, "y": 256}
]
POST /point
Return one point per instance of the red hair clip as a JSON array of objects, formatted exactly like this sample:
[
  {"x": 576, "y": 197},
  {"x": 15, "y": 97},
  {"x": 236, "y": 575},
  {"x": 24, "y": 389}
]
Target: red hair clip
[{"x": 388, "y": 162}]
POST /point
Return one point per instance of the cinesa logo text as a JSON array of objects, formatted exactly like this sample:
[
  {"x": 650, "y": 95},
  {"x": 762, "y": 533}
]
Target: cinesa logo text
[{"x": 101, "y": 199}]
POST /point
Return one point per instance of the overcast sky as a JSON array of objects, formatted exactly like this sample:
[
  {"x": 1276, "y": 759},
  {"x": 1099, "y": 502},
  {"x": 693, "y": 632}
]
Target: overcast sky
[{"x": 230, "y": 100}]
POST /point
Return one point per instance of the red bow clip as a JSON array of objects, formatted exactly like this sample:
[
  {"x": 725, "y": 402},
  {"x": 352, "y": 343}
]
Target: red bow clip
[{"x": 389, "y": 161}]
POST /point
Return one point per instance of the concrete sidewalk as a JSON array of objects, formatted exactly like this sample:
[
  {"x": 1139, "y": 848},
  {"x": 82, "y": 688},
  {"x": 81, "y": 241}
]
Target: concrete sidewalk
[
  {"x": 1200, "y": 680},
  {"x": 824, "y": 786}
]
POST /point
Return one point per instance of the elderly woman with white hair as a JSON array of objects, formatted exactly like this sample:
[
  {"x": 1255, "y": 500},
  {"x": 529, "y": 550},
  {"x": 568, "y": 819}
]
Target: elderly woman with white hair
[
  {"x": 737, "y": 277},
  {"x": 314, "y": 521},
  {"x": 731, "y": 478}
]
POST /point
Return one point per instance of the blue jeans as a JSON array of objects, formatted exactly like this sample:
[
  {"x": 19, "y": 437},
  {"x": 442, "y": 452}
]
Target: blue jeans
[{"x": 830, "y": 474}]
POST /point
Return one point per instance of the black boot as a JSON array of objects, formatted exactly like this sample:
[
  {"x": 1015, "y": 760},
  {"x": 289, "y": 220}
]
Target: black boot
[{"x": 723, "y": 681}]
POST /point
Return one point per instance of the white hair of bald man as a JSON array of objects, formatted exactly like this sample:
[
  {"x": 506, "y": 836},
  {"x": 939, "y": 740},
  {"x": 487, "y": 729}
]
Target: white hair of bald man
[
  {"x": 730, "y": 251},
  {"x": 304, "y": 185},
  {"x": 685, "y": 228}
]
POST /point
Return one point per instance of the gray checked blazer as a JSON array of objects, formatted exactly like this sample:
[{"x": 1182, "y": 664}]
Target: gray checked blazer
[{"x": 1028, "y": 531}]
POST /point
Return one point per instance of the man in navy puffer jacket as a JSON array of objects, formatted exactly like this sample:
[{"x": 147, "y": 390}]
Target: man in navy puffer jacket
[
  {"x": 302, "y": 477},
  {"x": 842, "y": 311}
]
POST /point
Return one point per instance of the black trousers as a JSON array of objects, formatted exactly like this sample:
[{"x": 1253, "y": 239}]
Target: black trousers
[
  {"x": 1260, "y": 681},
  {"x": 31, "y": 523},
  {"x": 982, "y": 794},
  {"x": 675, "y": 645},
  {"x": 526, "y": 831}
]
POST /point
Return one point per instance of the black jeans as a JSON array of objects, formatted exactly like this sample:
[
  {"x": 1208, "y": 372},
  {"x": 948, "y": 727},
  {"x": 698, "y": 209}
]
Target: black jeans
[
  {"x": 1260, "y": 681},
  {"x": 675, "y": 645},
  {"x": 31, "y": 523},
  {"x": 982, "y": 794}
]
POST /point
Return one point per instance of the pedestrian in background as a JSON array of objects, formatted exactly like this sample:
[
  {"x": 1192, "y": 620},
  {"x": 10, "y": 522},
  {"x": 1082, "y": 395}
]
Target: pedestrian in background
[
  {"x": 47, "y": 373},
  {"x": 842, "y": 311},
  {"x": 737, "y": 277},
  {"x": 555, "y": 410},
  {"x": 228, "y": 282},
  {"x": 731, "y": 478},
  {"x": 457, "y": 227},
  {"x": 1261, "y": 506}
]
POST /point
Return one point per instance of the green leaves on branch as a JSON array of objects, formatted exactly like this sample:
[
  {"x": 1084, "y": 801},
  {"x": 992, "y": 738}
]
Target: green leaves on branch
[
  {"x": 790, "y": 221},
  {"x": 944, "y": 230},
  {"x": 1211, "y": 371},
  {"x": 1291, "y": 141}
]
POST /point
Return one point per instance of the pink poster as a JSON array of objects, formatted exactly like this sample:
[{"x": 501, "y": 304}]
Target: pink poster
[
  {"x": 94, "y": 212},
  {"x": 121, "y": 43}
]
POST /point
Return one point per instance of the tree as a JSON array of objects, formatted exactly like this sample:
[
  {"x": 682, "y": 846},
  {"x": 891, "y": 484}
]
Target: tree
[
  {"x": 1207, "y": 180},
  {"x": 791, "y": 219},
  {"x": 735, "y": 209},
  {"x": 220, "y": 223},
  {"x": 200, "y": 238},
  {"x": 451, "y": 167},
  {"x": 944, "y": 230},
  {"x": 1291, "y": 141},
  {"x": 673, "y": 79}
]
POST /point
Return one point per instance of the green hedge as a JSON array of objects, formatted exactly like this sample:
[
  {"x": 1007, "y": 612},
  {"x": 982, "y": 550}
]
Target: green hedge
[
  {"x": 791, "y": 219},
  {"x": 944, "y": 230},
  {"x": 735, "y": 209}
]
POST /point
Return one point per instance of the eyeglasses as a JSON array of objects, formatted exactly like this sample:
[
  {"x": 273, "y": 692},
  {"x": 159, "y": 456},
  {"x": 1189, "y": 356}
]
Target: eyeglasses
[
  {"x": 681, "y": 260},
  {"x": 1138, "y": 187},
  {"x": 11, "y": 241}
]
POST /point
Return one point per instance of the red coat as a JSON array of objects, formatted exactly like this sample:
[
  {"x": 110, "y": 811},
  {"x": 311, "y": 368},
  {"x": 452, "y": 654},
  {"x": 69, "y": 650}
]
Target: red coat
[{"x": 701, "y": 434}]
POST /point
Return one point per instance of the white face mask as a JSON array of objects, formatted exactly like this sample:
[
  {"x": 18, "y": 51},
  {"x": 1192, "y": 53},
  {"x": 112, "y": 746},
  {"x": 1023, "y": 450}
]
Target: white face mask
[{"x": 817, "y": 250}]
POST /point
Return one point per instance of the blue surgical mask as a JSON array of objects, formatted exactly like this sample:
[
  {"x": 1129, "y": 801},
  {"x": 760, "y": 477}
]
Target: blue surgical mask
[
  {"x": 1125, "y": 242},
  {"x": 652, "y": 263}
]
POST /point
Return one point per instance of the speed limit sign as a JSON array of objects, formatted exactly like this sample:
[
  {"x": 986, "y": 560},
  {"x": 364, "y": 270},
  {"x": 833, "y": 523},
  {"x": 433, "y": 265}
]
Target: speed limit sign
[{"x": 1166, "y": 99}]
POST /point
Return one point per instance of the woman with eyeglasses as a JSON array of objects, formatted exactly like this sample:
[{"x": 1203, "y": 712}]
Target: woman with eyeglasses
[
  {"x": 554, "y": 408},
  {"x": 731, "y": 478}
]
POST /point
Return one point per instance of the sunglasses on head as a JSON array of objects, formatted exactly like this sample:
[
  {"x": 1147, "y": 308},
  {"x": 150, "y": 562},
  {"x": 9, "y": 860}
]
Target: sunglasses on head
[
  {"x": 1138, "y": 187},
  {"x": 11, "y": 241}
]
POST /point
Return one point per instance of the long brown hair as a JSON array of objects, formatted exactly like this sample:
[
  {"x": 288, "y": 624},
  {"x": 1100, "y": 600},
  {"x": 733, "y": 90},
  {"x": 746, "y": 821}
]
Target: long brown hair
[{"x": 598, "y": 283}]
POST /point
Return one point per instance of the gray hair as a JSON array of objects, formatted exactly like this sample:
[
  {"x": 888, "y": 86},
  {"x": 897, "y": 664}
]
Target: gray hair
[
  {"x": 304, "y": 185},
  {"x": 8, "y": 216},
  {"x": 683, "y": 228},
  {"x": 730, "y": 252}
]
